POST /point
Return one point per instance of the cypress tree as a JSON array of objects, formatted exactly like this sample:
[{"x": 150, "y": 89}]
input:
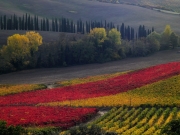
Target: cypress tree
[
  {"x": 44, "y": 25},
  {"x": 32, "y": 24},
  {"x": 26, "y": 22},
  {"x": 78, "y": 26},
  {"x": 132, "y": 34},
  {"x": 0, "y": 22},
  {"x": 122, "y": 31},
  {"x": 67, "y": 26},
  {"x": 29, "y": 22},
  {"x": 87, "y": 27},
  {"x": 72, "y": 26},
  {"x": 53, "y": 25},
  {"x": 74, "y": 30},
  {"x": 17, "y": 23},
  {"x": 47, "y": 24},
  {"x": 41, "y": 25},
  {"x": 14, "y": 22},
  {"x": 105, "y": 25},
  {"x": 140, "y": 31},
  {"x": 20, "y": 23},
  {"x": 63, "y": 25},
  {"x": 56, "y": 25},
  {"x": 60, "y": 25},
  {"x": 128, "y": 33},
  {"x": 8, "y": 24},
  {"x": 102, "y": 24},
  {"x": 83, "y": 29},
  {"x": 5, "y": 22},
  {"x": 152, "y": 29},
  {"x": 37, "y": 23}
]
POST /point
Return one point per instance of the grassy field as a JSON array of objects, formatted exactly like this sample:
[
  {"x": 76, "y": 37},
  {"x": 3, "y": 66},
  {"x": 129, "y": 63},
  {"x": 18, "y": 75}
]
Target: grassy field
[
  {"x": 171, "y": 5},
  {"x": 93, "y": 10}
]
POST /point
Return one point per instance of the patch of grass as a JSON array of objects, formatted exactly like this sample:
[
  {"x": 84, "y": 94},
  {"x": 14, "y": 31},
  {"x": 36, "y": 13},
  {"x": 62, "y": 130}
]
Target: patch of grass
[
  {"x": 89, "y": 79},
  {"x": 13, "y": 89},
  {"x": 42, "y": 130}
]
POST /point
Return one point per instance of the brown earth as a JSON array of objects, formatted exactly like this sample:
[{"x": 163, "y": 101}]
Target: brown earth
[{"x": 52, "y": 75}]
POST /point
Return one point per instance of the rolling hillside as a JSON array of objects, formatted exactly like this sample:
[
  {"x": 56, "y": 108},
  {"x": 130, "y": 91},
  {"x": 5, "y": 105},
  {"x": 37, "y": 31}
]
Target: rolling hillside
[
  {"x": 92, "y": 10},
  {"x": 172, "y": 5}
]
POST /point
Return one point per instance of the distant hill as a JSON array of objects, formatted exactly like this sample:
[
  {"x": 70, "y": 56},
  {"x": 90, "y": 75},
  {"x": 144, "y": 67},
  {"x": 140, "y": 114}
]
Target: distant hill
[
  {"x": 94, "y": 10},
  {"x": 172, "y": 5}
]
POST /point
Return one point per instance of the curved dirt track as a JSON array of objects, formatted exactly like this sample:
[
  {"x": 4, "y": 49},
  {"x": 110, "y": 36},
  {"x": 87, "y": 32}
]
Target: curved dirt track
[{"x": 51, "y": 75}]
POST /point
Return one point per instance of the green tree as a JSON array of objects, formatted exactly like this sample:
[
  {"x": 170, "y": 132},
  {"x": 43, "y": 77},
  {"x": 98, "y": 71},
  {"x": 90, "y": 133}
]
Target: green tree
[
  {"x": 173, "y": 40},
  {"x": 165, "y": 37},
  {"x": 114, "y": 36},
  {"x": 35, "y": 40},
  {"x": 140, "y": 48},
  {"x": 153, "y": 41},
  {"x": 98, "y": 35},
  {"x": 19, "y": 49},
  {"x": 16, "y": 51}
]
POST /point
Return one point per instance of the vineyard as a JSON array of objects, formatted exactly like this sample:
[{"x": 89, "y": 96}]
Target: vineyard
[
  {"x": 141, "y": 102},
  {"x": 137, "y": 120}
]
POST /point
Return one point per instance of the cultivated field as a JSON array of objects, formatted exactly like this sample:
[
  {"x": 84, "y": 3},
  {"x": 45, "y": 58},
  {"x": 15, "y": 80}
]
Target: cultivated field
[{"x": 142, "y": 101}]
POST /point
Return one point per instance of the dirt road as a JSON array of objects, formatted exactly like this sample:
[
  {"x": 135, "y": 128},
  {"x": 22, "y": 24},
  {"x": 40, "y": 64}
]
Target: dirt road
[{"x": 51, "y": 75}]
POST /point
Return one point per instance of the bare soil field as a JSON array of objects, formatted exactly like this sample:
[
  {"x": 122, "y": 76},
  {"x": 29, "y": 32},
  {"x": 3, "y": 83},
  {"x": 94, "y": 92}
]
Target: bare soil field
[{"x": 52, "y": 75}]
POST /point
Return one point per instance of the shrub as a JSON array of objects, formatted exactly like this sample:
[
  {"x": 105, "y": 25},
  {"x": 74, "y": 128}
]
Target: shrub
[
  {"x": 10, "y": 130},
  {"x": 171, "y": 128}
]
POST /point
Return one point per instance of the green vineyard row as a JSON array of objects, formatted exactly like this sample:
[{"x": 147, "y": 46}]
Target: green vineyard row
[{"x": 137, "y": 120}]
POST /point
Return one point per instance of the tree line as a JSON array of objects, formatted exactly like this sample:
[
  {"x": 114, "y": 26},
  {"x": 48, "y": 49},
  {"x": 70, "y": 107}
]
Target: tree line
[
  {"x": 100, "y": 45},
  {"x": 29, "y": 22}
]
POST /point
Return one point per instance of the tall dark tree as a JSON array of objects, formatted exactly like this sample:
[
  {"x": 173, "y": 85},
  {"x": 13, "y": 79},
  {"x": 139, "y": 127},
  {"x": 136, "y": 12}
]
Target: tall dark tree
[
  {"x": 72, "y": 26},
  {"x": 20, "y": 23},
  {"x": 47, "y": 24},
  {"x": 44, "y": 25},
  {"x": 122, "y": 31},
  {"x": 5, "y": 22},
  {"x": 56, "y": 25},
  {"x": 26, "y": 22},
  {"x": 132, "y": 34},
  {"x": 129, "y": 33},
  {"x": 29, "y": 22},
  {"x": 1, "y": 23},
  {"x": 23, "y": 23}
]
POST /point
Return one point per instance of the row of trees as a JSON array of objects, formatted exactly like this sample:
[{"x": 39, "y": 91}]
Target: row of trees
[
  {"x": 100, "y": 45},
  {"x": 27, "y": 22}
]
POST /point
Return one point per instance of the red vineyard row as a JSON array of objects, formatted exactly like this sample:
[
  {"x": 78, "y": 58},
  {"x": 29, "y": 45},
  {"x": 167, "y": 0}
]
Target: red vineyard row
[
  {"x": 111, "y": 86},
  {"x": 45, "y": 116}
]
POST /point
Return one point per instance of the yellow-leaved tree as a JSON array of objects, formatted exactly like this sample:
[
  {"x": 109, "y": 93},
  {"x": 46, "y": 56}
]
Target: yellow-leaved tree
[
  {"x": 35, "y": 40},
  {"x": 98, "y": 35},
  {"x": 19, "y": 49}
]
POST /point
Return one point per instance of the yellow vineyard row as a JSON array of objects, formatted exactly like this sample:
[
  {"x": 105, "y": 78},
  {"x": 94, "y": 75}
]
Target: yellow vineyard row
[{"x": 164, "y": 92}]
